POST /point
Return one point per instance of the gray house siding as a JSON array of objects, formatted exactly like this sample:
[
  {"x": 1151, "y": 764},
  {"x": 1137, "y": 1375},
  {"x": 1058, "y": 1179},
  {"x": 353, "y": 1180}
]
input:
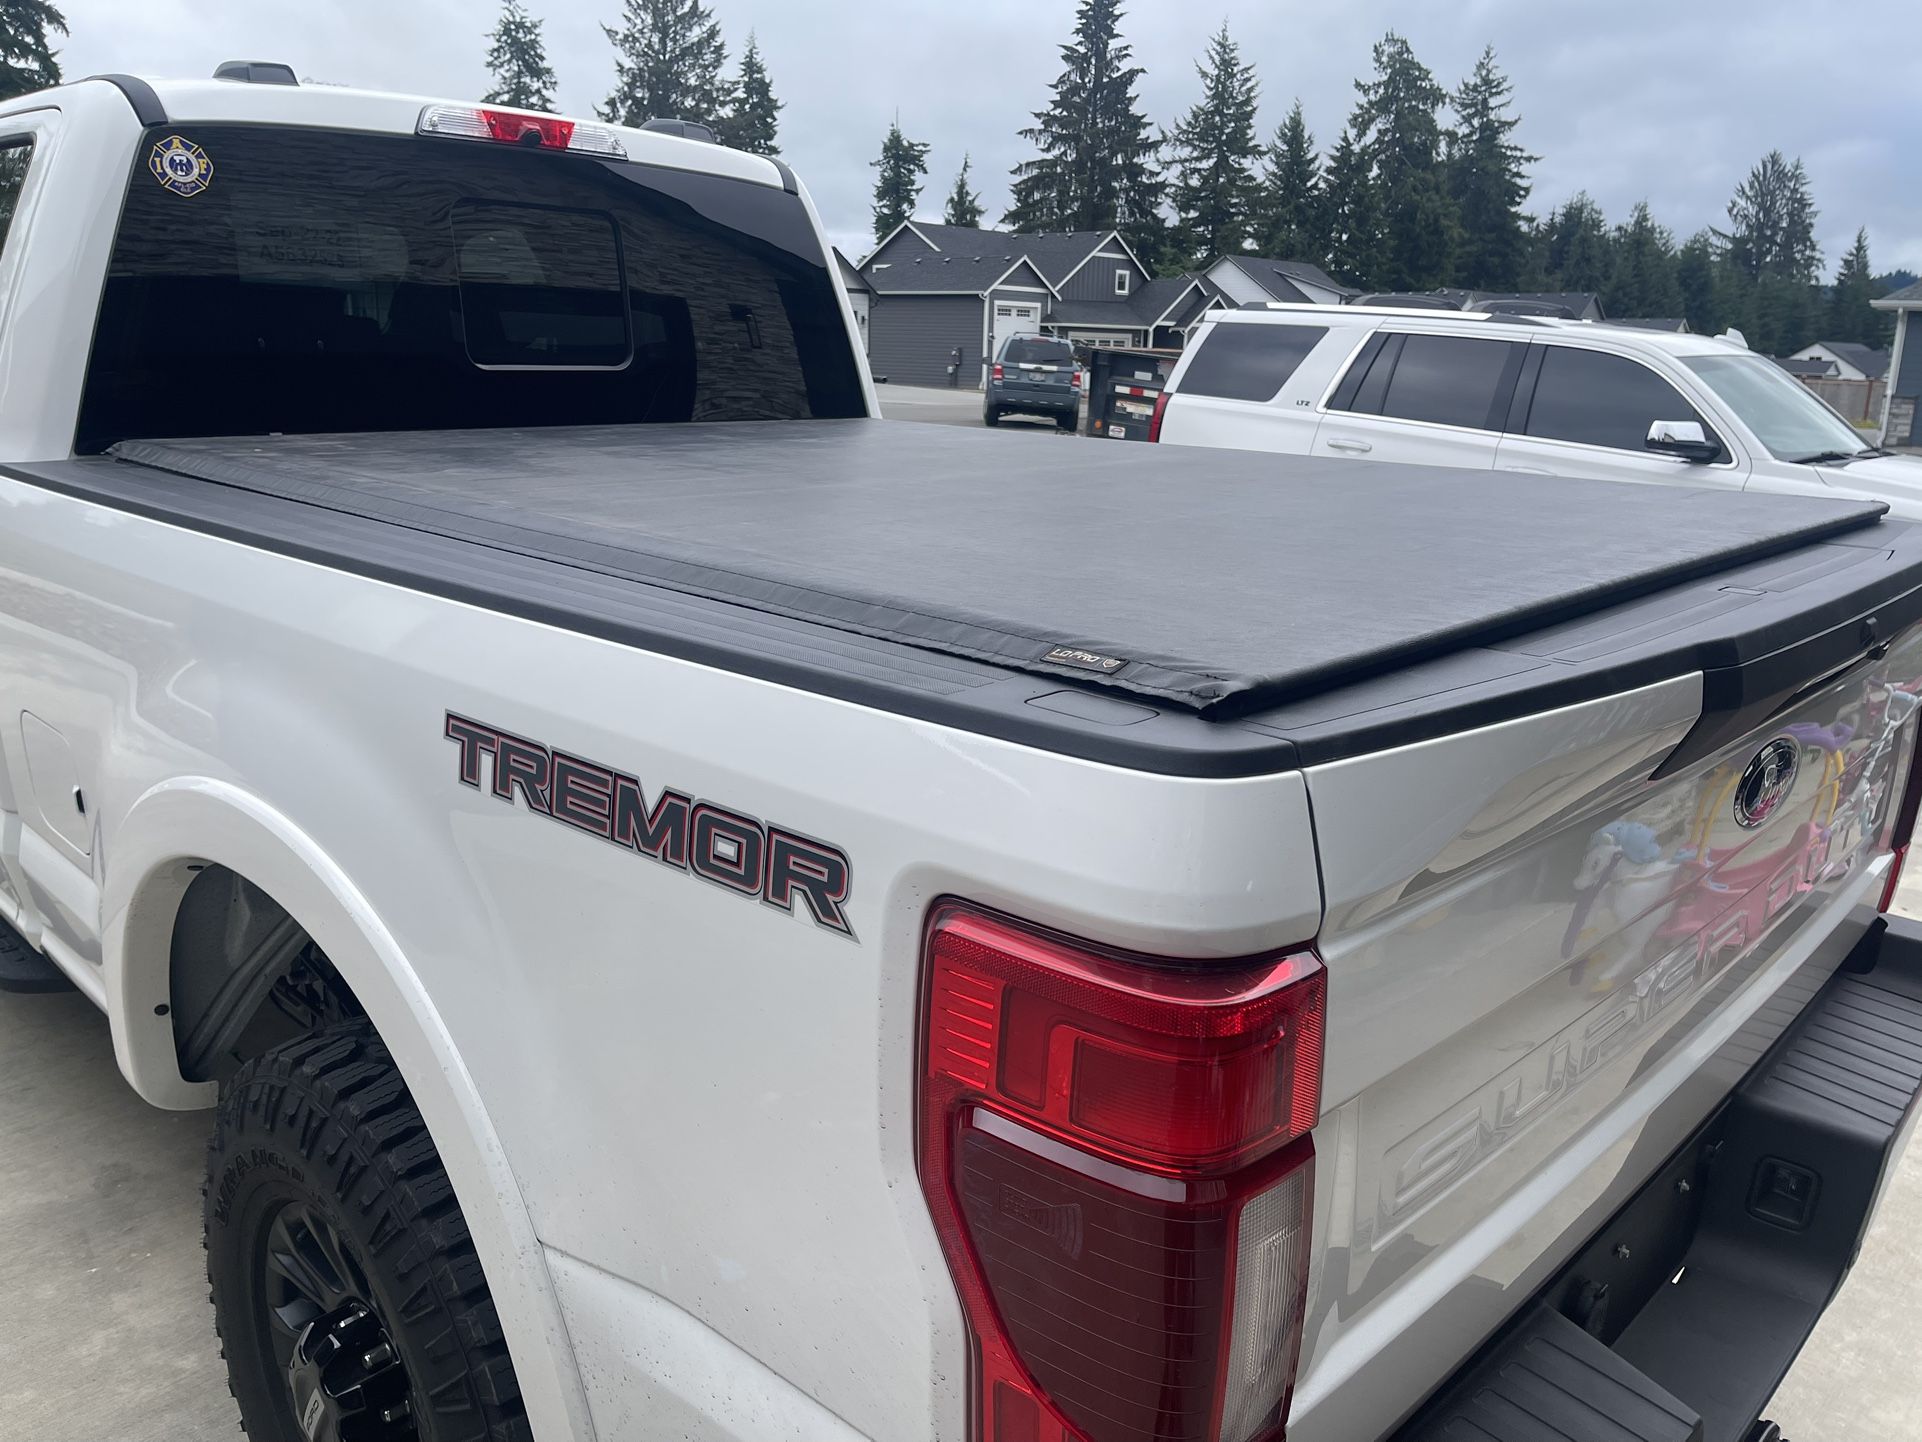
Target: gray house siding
[
  {"x": 1095, "y": 280},
  {"x": 910, "y": 338},
  {"x": 1906, "y": 383}
]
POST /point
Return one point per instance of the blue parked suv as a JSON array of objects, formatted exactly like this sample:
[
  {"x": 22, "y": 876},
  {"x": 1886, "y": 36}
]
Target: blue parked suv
[{"x": 1034, "y": 375}]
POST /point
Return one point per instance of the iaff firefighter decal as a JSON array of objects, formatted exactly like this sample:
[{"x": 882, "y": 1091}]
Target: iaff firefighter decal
[
  {"x": 747, "y": 856},
  {"x": 180, "y": 165}
]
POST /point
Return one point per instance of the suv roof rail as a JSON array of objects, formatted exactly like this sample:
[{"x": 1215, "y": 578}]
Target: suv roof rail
[
  {"x": 256, "y": 72},
  {"x": 1422, "y": 312}
]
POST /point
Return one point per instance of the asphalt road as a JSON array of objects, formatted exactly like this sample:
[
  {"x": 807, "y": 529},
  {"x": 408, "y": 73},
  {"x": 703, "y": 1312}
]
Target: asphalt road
[{"x": 952, "y": 408}]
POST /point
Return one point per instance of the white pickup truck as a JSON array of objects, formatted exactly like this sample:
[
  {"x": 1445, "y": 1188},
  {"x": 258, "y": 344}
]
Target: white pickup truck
[{"x": 708, "y": 915}]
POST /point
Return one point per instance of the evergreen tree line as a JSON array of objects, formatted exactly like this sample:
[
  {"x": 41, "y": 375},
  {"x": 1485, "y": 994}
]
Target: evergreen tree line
[{"x": 1425, "y": 187}]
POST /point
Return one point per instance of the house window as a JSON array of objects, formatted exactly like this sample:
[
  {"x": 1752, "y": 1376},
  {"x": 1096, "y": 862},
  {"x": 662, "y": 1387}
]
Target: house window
[{"x": 1121, "y": 279}]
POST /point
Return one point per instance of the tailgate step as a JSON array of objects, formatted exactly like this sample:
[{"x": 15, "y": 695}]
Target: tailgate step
[
  {"x": 1694, "y": 1300},
  {"x": 1552, "y": 1382},
  {"x": 24, "y": 969}
]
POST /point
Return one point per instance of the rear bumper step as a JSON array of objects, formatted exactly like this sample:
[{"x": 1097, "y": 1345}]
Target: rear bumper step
[{"x": 1682, "y": 1316}]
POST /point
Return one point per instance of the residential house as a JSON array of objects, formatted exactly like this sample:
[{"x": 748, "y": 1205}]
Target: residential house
[
  {"x": 1815, "y": 368},
  {"x": 944, "y": 297},
  {"x": 1904, "y": 389},
  {"x": 1251, "y": 279},
  {"x": 1853, "y": 361},
  {"x": 860, "y": 293}
]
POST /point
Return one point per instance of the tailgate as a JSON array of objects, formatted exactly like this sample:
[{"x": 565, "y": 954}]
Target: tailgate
[{"x": 1554, "y": 946}]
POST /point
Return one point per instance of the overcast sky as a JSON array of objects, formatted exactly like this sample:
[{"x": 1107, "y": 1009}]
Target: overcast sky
[{"x": 1665, "y": 100}]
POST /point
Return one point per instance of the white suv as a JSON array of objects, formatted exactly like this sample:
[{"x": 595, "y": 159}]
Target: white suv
[{"x": 1515, "y": 393}]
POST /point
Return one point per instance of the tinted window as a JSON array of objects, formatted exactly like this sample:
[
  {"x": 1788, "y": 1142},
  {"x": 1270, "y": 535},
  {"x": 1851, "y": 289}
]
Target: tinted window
[
  {"x": 1024, "y": 350},
  {"x": 540, "y": 287},
  {"x": 1601, "y": 400},
  {"x": 325, "y": 281},
  {"x": 1451, "y": 380},
  {"x": 15, "y": 157},
  {"x": 1249, "y": 362}
]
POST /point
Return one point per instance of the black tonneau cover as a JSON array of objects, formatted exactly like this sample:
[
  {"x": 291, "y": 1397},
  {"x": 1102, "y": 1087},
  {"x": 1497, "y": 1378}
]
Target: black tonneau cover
[{"x": 1213, "y": 581}]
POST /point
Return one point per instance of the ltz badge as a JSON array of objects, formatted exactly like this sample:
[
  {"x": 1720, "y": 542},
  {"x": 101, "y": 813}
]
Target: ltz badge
[{"x": 180, "y": 165}]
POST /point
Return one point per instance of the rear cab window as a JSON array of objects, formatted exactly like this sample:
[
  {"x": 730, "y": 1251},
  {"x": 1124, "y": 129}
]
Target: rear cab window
[
  {"x": 310, "y": 281},
  {"x": 1595, "y": 398},
  {"x": 1447, "y": 380},
  {"x": 1248, "y": 362}
]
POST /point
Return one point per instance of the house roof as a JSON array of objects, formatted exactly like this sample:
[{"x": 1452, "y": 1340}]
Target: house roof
[
  {"x": 1867, "y": 359},
  {"x": 1138, "y": 311},
  {"x": 1907, "y": 298},
  {"x": 958, "y": 274},
  {"x": 966, "y": 260},
  {"x": 1814, "y": 369},
  {"x": 1277, "y": 276},
  {"x": 1119, "y": 312}
]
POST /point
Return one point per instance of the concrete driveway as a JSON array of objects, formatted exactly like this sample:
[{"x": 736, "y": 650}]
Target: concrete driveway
[{"x": 106, "y": 1333}]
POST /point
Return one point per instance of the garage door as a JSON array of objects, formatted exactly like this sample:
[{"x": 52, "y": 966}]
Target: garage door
[{"x": 1012, "y": 317}]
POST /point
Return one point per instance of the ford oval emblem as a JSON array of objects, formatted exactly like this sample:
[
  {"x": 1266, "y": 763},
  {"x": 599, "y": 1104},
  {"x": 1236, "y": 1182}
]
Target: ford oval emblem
[{"x": 1766, "y": 781}]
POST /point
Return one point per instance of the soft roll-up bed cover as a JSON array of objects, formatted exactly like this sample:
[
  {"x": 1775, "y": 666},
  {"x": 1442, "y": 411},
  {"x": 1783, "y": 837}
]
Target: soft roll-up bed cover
[{"x": 1211, "y": 580}]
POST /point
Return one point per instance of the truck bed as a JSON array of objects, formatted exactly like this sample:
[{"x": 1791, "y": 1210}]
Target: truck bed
[{"x": 1102, "y": 599}]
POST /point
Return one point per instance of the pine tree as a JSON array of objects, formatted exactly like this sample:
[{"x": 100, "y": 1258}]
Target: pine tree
[
  {"x": 898, "y": 186},
  {"x": 1642, "y": 280},
  {"x": 1772, "y": 222},
  {"x": 667, "y": 63},
  {"x": 27, "y": 62},
  {"x": 1577, "y": 252},
  {"x": 1350, "y": 216},
  {"x": 1696, "y": 265},
  {"x": 1488, "y": 181},
  {"x": 1096, "y": 168},
  {"x": 518, "y": 62},
  {"x": 1289, "y": 211},
  {"x": 1215, "y": 149},
  {"x": 1398, "y": 113},
  {"x": 964, "y": 206},
  {"x": 1851, "y": 317},
  {"x": 753, "y": 114}
]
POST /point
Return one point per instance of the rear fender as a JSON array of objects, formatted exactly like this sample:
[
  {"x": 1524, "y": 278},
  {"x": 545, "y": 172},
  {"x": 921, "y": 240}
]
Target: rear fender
[{"x": 188, "y": 821}]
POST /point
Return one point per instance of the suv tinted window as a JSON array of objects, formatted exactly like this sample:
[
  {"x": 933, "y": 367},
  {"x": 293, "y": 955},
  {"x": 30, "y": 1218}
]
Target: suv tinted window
[
  {"x": 1024, "y": 350},
  {"x": 15, "y": 157},
  {"x": 1601, "y": 400},
  {"x": 328, "y": 281},
  {"x": 1452, "y": 380},
  {"x": 1249, "y": 362}
]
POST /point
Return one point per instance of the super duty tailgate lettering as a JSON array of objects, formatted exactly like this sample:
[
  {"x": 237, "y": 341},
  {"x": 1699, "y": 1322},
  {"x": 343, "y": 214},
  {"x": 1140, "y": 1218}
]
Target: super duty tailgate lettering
[{"x": 729, "y": 848}]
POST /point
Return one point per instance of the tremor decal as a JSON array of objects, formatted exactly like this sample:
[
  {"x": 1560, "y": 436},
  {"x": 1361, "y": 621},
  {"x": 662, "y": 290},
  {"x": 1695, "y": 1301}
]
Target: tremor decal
[{"x": 744, "y": 855}]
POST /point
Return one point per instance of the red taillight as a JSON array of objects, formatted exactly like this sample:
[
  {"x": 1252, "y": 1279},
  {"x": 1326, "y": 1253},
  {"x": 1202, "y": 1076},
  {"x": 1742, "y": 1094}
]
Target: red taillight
[
  {"x": 1077, "y": 380},
  {"x": 1161, "y": 409},
  {"x": 1902, "y": 827},
  {"x": 997, "y": 372},
  {"x": 1115, "y": 1157},
  {"x": 519, "y": 127}
]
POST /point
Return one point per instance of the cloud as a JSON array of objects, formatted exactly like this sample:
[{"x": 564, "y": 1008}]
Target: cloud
[{"x": 1641, "y": 99}]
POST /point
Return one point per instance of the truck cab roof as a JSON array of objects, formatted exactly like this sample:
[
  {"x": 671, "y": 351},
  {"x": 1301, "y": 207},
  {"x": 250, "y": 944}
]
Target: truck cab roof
[{"x": 161, "y": 100}]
